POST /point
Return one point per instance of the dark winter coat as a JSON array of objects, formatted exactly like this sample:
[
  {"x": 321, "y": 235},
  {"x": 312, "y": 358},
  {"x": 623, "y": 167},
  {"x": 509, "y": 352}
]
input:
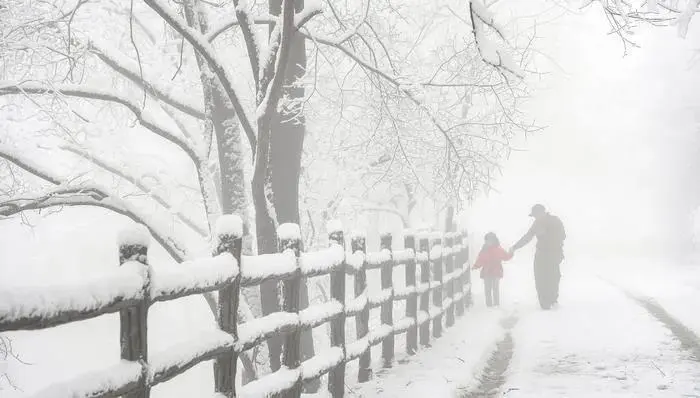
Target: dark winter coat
[{"x": 550, "y": 234}]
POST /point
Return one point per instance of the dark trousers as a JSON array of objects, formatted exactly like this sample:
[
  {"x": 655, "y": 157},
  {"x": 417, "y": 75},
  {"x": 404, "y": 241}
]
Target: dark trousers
[
  {"x": 548, "y": 276},
  {"x": 491, "y": 291}
]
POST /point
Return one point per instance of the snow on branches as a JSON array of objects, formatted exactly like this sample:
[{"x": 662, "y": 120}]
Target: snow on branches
[
  {"x": 625, "y": 16},
  {"x": 491, "y": 52}
]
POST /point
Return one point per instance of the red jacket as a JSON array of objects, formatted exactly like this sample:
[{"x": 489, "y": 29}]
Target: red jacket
[{"x": 490, "y": 261}]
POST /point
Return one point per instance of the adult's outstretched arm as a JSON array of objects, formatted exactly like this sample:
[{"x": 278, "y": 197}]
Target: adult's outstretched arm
[{"x": 525, "y": 239}]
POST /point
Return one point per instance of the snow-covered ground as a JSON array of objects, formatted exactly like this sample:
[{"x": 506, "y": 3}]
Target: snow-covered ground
[
  {"x": 675, "y": 285},
  {"x": 599, "y": 342},
  {"x": 452, "y": 361}
]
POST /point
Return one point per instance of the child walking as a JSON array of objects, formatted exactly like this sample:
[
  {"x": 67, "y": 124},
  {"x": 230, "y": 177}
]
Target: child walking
[{"x": 490, "y": 260}]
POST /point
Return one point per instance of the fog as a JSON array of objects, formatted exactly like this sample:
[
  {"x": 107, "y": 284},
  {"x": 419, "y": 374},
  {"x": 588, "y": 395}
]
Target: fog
[{"x": 615, "y": 139}]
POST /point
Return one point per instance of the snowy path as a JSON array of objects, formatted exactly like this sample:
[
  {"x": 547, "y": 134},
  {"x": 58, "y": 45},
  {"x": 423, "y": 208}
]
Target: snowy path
[{"x": 599, "y": 343}]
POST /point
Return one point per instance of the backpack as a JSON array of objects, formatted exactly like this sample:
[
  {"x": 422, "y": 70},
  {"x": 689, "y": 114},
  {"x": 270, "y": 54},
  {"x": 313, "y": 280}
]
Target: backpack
[{"x": 555, "y": 229}]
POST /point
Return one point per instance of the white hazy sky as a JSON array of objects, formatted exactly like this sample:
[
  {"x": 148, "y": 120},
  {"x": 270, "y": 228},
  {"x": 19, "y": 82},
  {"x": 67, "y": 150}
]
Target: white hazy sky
[{"x": 610, "y": 121}]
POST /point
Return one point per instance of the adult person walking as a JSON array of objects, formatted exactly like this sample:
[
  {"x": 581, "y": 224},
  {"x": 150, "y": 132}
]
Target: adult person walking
[{"x": 549, "y": 253}]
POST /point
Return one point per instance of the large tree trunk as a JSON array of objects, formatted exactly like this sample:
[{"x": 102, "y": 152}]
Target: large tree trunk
[
  {"x": 232, "y": 176},
  {"x": 230, "y": 151},
  {"x": 267, "y": 243},
  {"x": 224, "y": 122},
  {"x": 287, "y": 141}
]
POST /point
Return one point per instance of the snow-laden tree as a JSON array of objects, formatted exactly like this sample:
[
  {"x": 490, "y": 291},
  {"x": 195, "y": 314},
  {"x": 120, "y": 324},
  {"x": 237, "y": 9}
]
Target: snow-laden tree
[
  {"x": 70, "y": 51},
  {"x": 173, "y": 113},
  {"x": 428, "y": 123}
]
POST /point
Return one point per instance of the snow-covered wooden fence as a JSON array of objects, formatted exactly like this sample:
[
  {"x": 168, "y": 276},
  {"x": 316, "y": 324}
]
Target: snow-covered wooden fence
[{"x": 131, "y": 288}]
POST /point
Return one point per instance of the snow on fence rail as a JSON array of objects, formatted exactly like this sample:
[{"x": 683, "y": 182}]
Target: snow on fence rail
[{"x": 134, "y": 286}]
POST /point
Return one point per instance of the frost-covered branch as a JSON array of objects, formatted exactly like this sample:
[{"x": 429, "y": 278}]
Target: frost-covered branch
[
  {"x": 223, "y": 27},
  {"x": 96, "y": 197},
  {"x": 127, "y": 68},
  {"x": 84, "y": 195},
  {"x": 81, "y": 91},
  {"x": 8, "y": 353},
  {"x": 200, "y": 43},
  {"x": 138, "y": 183},
  {"x": 404, "y": 89},
  {"x": 187, "y": 132},
  {"x": 300, "y": 20},
  {"x": 492, "y": 54},
  {"x": 12, "y": 156},
  {"x": 625, "y": 16},
  {"x": 246, "y": 22}
]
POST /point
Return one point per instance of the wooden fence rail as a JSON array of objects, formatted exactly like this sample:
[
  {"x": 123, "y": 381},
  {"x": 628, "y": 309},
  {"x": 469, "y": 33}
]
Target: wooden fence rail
[{"x": 133, "y": 287}]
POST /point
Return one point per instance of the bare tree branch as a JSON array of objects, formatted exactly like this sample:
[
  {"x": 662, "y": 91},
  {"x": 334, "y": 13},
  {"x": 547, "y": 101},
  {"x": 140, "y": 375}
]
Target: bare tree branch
[
  {"x": 91, "y": 196},
  {"x": 30, "y": 167},
  {"x": 301, "y": 19},
  {"x": 102, "y": 95},
  {"x": 66, "y": 195},
  {"x": 199, "y": 42},
  {"x": 137, "y": 182},
  {"x": 401, "y": 87},
  {"x": 250, "y": 39},
  {"x": 218, "y": 30},
  {"x": 124, "y": 66}
]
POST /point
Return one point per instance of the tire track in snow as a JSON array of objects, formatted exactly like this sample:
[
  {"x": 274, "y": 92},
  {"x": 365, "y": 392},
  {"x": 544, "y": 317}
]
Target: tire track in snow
[
  {"x": 688, "y": 339},
  {"x": 493, "y": 376}
]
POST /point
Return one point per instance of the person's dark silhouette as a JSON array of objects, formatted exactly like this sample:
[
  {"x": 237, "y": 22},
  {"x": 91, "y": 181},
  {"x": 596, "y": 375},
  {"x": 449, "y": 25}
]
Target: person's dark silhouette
[{"x": 549, "y": 253}]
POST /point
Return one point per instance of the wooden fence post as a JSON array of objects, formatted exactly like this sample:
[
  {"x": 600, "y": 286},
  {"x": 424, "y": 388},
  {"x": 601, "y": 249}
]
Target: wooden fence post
[
  {"x": 459, "y": 266},
  {"x": 436, "y": 258},
  {"x": 409, "y": 242},
  {"x": 364, "y": 372},
  {"x": 133, "y": 331},
  {"x": 290, "y": 239},
  {"x": 229, "y": 235},
  {"x": 449, "y": 267},
  {"x": 387, "y": 308},
  {"x": 425, "y": 296},
  {"x": 336, "y": 377}
]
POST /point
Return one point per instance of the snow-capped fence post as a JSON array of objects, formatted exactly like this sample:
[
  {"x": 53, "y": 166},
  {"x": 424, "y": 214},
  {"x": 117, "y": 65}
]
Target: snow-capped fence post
[
  {"x": 336, "y": 377},
  {"x": 229, "y": 235},
  {"x": 409, "y": 242},
  {"x": 290, "y": 239},
  {"x": 425, "y": 295},
  {"x": 459, "y": 267},
  {"x": 387, "y": 307},
  {"x": 449, "y": 267},
  {"x": 436, "y": 258},
  {"x": 364, "y": 372},
  {"x": 133, "y": 321}
]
